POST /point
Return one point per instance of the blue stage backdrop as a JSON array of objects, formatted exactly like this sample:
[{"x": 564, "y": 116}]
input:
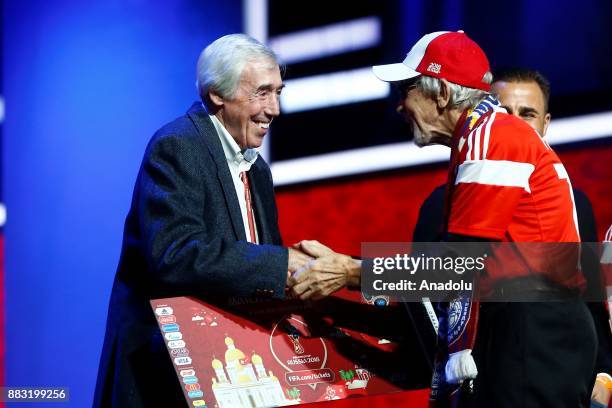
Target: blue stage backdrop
[{"x": 86, "y": 85}]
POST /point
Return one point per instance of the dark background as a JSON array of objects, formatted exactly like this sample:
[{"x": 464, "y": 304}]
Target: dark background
[{"x": 568, "y": 42}]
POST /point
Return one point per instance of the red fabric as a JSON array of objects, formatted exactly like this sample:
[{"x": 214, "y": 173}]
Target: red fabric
[
  {"x": 457, "y": 58},
  {"x": 511, "y": 186},
  {"x": 516, "y": 193}
]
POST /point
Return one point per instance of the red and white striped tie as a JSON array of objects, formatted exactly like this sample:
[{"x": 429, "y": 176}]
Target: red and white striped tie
[{"x": 249, "y": 205}]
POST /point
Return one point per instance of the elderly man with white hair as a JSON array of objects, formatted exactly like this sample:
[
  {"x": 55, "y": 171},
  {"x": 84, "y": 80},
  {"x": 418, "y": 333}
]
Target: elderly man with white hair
[
  {"x": 203, "y": 220},
  {"x": 506, "y": 185}
]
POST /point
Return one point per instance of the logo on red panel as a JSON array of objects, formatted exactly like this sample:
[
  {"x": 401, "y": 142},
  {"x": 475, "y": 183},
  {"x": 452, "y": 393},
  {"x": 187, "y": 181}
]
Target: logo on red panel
[
  {"x": 323, "y": 375},
  {"x": 187, "y": 373},
  {"x": 167, "y": 319},
  {"x": 192, "y": 387},
  {"x": 179, "y": 352},
  {"x": 164, "y": 311},
  {"x": 301, "y": 353}
]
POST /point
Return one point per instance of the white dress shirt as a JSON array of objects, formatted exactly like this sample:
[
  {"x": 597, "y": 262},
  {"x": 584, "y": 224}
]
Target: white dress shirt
[{"x": 237, "y": 161}]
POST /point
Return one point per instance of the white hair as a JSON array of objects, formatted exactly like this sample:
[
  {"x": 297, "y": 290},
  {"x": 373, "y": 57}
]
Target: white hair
[
  {"x": 221, "y": 63},
  {"x": 461, "y": 97}
]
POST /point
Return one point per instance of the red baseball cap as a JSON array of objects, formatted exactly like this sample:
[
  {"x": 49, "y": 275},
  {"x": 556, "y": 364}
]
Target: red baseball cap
[{"x": 443, "y": 54}]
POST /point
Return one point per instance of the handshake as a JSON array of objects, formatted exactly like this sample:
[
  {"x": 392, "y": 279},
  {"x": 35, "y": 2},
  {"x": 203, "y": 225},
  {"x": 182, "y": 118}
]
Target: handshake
[{"x": 316, "y": 271}]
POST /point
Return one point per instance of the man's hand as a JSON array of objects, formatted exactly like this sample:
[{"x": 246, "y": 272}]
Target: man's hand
[
  {"x": 313, "y": 248},
  {"x": 600, "y": 392},
  {"x": 326, "y": 274},
  {"x": 297, "y": 260}
]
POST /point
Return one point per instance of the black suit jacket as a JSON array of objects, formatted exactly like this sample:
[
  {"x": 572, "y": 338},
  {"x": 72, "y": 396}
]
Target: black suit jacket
[{"x": 184, "y": 235}]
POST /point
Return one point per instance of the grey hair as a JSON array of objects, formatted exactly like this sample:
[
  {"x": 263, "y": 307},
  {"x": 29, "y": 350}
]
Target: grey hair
[
  {"x": 221, "y": 63},
  {"x": 461, "y": 97}
]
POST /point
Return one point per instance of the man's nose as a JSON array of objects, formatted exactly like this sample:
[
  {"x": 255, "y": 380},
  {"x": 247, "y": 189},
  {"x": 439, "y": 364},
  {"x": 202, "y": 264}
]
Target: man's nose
[{"x": 273, "y": 105}]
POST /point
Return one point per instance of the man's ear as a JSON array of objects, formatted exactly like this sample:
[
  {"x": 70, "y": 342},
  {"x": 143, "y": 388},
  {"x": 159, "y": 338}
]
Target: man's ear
[
  {"x": 546, "y": 123},
  {"x": 215, "y": 98},
  {"x": 443, "y": 97}
]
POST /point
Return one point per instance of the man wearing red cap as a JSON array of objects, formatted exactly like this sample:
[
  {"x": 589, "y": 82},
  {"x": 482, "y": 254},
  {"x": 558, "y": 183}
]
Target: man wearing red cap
[
  {"x": 525, "y": 93},
  {"x": 505, "y": 184}
]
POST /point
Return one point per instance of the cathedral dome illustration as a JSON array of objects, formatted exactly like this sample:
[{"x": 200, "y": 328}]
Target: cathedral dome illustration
[
  {"x": 232, "y": 354},
  {"x": 217, "y": 364},
  {"x": 241, "y": 382}
]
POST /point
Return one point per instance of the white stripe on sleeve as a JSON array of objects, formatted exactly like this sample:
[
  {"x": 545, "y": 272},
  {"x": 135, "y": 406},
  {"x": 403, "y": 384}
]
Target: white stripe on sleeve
[
  {"x": 485, "y": 143},
  {"x": 496, "y": 173},
  {"x": 562, "y": 173},
  {"x": 477, "y": 138},
  {"x": 470, "y": 145}
]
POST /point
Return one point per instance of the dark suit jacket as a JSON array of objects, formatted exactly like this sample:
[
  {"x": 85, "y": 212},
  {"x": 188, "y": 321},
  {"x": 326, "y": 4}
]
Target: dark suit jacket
[{"x": 184, "y": 235}]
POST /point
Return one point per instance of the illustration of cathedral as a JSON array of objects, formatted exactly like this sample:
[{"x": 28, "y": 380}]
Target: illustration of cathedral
[{"x": 243, "y": 384}]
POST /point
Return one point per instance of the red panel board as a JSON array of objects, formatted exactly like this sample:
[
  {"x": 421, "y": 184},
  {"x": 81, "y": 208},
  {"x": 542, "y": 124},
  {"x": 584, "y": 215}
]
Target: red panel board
[{"x": 294, "y": 354}]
